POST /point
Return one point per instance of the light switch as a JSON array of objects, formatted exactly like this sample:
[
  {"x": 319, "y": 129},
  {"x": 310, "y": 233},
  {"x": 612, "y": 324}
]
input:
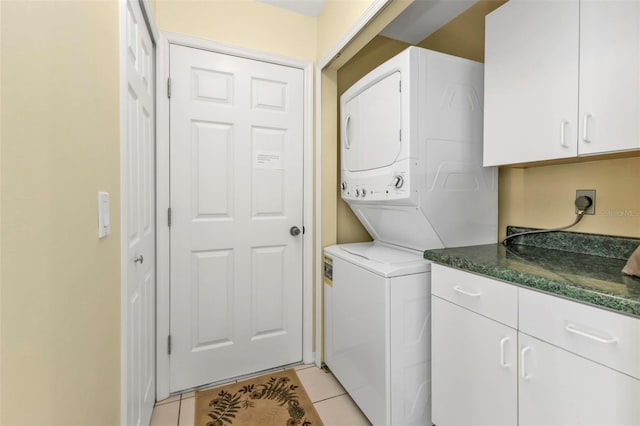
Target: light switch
[{"x": 104, "y": 217}]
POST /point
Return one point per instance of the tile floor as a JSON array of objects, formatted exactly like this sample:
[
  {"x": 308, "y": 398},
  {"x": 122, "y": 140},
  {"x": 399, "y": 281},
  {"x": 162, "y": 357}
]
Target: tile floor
[{"x": 331, "y": 401}]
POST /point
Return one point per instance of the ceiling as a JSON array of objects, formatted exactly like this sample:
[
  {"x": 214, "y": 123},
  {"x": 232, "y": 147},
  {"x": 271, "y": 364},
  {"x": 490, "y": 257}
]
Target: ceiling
[
  {"x": 417, "y": 22},
  {"x": 424, "y": 17},
  {"x": 305, "y": 7}
]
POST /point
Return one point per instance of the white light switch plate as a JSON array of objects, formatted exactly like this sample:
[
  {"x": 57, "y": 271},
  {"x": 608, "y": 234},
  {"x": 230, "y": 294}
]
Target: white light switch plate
[{"x": 104, "y": 217}]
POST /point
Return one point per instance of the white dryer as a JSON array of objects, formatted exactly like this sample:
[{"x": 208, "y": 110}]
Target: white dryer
[{"x": 411, "y": 147}]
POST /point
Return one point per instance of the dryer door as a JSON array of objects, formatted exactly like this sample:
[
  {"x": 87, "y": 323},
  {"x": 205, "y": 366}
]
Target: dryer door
[{"x": 371, "y": 125}]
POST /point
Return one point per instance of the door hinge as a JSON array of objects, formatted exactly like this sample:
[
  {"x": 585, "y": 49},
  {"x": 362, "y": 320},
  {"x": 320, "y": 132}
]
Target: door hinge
[
  {"x": 169, "y": 88},
  {"x": 400, "y": 134},
  {"x": 169, "y": 217},
  {"x": 400, "y": 86},
  {"x": 169, "y": 344},
  {"x": 303, "y": 230}
]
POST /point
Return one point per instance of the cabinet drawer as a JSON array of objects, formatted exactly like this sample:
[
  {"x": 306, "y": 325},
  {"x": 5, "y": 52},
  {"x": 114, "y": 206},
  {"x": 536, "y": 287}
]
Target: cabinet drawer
[
  {"x": 602, "y": 336},
  {"x": 491, "y": 298}
]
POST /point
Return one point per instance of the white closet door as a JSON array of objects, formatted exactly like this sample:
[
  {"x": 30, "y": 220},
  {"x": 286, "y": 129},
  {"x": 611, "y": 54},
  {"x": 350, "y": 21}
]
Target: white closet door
[
  {"x": 139, "y": 223},
  {"x": 236, "y": 193}
]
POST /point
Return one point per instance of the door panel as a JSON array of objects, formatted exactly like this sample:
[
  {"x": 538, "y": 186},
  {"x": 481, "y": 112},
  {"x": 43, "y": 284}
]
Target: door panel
[
  {"x": 374, "y": 116},
  {"x": 531, "y": 78},
  {"x": 139, "y": 223},
  {"x": 609, "y": 83},
  {"x": 558, "y": 388},
  {"x": 236, "y": 190},
  {"x": 481, "y": 389}
]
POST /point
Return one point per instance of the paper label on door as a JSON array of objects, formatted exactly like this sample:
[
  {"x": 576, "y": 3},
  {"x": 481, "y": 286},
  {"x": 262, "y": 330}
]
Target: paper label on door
[
  {"x": 328, "y": 270},
  {"x": 268, "y": 160}
]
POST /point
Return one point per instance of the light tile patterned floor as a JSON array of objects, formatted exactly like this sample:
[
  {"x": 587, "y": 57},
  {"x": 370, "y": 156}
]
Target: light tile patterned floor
[{"x": 331, "y": 401}]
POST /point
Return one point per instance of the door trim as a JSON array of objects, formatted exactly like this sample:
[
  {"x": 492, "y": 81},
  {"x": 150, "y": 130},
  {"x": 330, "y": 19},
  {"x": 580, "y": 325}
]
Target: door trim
[
  {"x": 162, "y": 192},
  {"x": 365, "y": 19},
  {"x": 147, "y": 13}
]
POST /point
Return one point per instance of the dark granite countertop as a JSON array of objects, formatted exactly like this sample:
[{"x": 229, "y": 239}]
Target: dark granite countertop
[{"x": 582, "y": 267}]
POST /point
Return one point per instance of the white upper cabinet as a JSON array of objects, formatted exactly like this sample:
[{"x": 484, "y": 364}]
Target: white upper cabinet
[
  {"x": 531, "y": 84},
  {"x": 561, "y": 80},
  {"x": 609, "y": 76}
]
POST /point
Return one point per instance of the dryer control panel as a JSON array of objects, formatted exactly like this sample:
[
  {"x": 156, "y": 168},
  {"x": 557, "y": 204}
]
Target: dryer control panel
[{"x": 390, "y": 184}]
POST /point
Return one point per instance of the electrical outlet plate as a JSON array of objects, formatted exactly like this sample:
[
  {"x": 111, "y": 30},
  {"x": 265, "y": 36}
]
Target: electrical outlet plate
[{"x": 591, "y": 193}]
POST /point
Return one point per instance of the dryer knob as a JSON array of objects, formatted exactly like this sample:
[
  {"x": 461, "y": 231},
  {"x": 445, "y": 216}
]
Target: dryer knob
[
  {"x": 343, "y": 186},
  {"x": 357, "y": 192},
  {"x": 398, "y": 181}
]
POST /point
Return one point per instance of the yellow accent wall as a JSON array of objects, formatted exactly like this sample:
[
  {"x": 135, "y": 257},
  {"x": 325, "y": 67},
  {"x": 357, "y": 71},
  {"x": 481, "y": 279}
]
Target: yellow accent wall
[
  {"x": 245, "y": 23},
  {"x": 60, "y": 285}
]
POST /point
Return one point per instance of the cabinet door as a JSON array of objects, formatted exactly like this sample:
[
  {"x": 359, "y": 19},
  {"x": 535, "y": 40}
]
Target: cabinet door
[
  {"x": 559, "y": 388},
  {"x": 474, "y": 368},
  {"x": 609, "y": 76},
  {"x": 531, "y": 82}
]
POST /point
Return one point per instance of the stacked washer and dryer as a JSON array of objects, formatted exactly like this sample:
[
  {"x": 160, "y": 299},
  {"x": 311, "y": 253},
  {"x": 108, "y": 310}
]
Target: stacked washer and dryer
[{"x": 411, "y": 147}]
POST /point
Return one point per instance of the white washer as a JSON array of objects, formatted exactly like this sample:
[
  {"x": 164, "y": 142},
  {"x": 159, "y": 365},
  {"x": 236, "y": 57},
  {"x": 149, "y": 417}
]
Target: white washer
[
  {"x": 378, "y": 310},
  {"x": 411, "y": 149}
]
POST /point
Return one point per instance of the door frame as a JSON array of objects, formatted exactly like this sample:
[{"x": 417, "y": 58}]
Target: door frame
[
  {"x": 162, "y": 192},
  {"x": 150, "y": 21}
]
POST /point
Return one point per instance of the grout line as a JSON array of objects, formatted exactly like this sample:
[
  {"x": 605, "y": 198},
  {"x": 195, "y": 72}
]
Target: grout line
[
  {"x": 304, "y": 367},
  {"x": 331, "y": 397},
  {"x": 165, "y": 402},
  {"x": 179, "y": 411}
]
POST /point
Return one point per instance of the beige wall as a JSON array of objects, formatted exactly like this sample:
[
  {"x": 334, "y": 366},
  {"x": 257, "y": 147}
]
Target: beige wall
[
  {"x": 464, "y": 35},
  {"x": 245, "y": 23},
  {"x": 336, "y": 19},
  {"x": 543, "y": 196},
  {"x": 60, "y": 321}
]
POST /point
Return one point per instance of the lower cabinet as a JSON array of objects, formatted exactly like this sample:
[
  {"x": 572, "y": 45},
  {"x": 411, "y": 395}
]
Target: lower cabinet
[
  {"x": 558, "y": 388},
  {"x": 579, "y": 368},
  {"x": 474, "y": 372}
]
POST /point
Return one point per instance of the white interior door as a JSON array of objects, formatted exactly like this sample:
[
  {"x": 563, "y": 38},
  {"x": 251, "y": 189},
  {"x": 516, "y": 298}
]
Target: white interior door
[
  {"x": 236, "y": 190},
  {"x": 139, "y": 221}
]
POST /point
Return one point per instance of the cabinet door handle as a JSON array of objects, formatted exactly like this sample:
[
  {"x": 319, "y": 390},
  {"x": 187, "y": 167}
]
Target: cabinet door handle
[
  {"x": 347, "y": 128},
  {"x": 572, "y": 328},
  {"x": 466, "y": 293},
  {"x": 585, "y": 128},
  {"x": 563, "y": 133},
  {"x": 523, "y": 363},
  {"x": 503, "y": 341}
]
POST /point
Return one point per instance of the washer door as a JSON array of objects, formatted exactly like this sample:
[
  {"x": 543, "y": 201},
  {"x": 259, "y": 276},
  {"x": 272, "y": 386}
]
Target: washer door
[{"x": 371, "y": 125}]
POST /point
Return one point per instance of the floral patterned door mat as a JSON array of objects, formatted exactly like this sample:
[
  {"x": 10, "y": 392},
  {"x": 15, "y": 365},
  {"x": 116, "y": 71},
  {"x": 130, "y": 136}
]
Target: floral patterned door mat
[{"x": 273, "y": 399}]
